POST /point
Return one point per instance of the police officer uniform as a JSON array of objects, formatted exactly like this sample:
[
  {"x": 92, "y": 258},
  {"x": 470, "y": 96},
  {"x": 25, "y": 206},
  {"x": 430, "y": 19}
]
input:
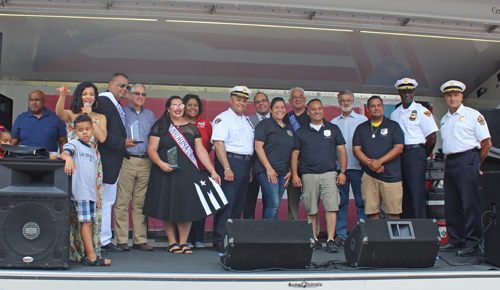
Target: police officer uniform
[
  {"x": 417, "y": 123},
  {"x": 461, "y": 134},
  {"x": 237, "y": 132}
]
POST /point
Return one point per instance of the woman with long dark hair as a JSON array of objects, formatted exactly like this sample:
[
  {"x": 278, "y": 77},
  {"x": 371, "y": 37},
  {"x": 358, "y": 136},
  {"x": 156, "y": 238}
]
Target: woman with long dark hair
[
  {"x": 178, "y": 195},
  {"x": 273, "y": 143},
  {"x": 193, "y": 110},
  {"x": 84, "y": 102}
]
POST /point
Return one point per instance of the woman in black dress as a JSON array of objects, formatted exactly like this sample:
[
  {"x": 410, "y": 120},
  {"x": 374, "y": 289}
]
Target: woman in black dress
[{"x": 180, "y": 196}]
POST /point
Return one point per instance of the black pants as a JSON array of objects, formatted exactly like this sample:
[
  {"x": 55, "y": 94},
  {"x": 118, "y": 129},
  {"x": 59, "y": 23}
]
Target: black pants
[
  {"x": 413, "y": 164},
  {"x": 251, "y": 199},
  {"x": 235, "y": 192},
  {"x": 462, "y": 209}
]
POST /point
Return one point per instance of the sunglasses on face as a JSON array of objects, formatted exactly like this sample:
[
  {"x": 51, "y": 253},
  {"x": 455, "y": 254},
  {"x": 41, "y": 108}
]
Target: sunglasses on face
[
  {"x": 122, "y": 85},
  {"x": 180, "y": 106},
  {"x": 139, "y": 94}
]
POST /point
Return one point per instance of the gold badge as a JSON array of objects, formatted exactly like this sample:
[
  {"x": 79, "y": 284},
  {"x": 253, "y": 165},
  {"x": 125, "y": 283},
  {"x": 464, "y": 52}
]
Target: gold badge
[
  {"x": 413, "y": 115},
  {"x": 217, "y": 121},
  {"x": 406, "y": 81},
  {"x": 480, "y": 120},
  {"x": 452, "y": 84},
  {"x": 462, "y": 118},
  {"x": 244, "y": 90},
  {"x": 427, "y": 113}
]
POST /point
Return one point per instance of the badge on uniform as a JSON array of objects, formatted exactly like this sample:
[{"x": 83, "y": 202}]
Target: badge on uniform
[
  {"x": 289, "y": 133},
  {"x": 462, "y": 118},
  {"x": 480, "y": 120},
  {"x": 327, "y": 133},
  {"x": 384, "y": 131},
  {"x": 413, "y": 115},
  {"x": 218, "y": 120},
  {"x": 427, "y": 113}
]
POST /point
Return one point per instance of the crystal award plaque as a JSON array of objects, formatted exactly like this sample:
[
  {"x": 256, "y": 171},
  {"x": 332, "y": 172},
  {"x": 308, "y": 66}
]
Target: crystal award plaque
[
  {"x": 135, "y": 131},
  {"x": 172, "y": 158}
]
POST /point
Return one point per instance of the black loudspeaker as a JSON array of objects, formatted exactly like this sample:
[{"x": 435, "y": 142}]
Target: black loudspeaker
[
  {"x": 435, "y": 203},
  {"x": 410, "y": 243},
  {"x": 263, "y": 244},
  {"x": 492, "y": 117},
  {"x": 6, "y": 107},
  {"x": 489, "y": 184},
  {"x": 35, "y": 200}
]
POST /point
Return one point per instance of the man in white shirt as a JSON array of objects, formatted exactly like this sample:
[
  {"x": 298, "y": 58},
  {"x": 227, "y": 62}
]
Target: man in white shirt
[
  {"x": 233, "y": 138},
  {"x": 466, "y": 143},
  {"x": 347, "y": 122},
  {"x": 419, "y": 128}
]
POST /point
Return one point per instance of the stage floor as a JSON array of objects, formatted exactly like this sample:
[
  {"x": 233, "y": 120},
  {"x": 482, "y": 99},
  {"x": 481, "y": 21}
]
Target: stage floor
[{"x": 160, "y": 268}]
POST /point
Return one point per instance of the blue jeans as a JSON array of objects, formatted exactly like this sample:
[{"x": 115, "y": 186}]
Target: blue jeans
[
  {"x": 353, "y": 178},
  {"x": 272, "y": 194}
]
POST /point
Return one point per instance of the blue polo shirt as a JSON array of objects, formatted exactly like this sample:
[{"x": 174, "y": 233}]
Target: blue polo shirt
[{"x": 42, "y": 132}]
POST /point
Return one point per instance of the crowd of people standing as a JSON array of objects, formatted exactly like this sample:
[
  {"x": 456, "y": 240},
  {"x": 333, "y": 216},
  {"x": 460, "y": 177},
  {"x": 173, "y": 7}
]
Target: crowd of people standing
[{"x": 164, "y": 165}]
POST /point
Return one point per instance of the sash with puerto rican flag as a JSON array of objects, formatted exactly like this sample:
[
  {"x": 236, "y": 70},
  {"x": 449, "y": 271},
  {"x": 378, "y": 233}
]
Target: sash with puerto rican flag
[
  {"x": 183, "y": 144},
  {"x": 293, "y": 121}
]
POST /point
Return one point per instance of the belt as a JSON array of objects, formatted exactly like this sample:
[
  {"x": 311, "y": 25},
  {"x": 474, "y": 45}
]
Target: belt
[
  {"x": 139, "y": 156},
  {"x": 455, "y": 155},
  {"x": 413, "y": 146},
  {"x": 240, "y": 156}
]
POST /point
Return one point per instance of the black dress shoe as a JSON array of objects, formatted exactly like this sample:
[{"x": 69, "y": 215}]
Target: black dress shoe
[
  {"x": 469, "y": 252},
  {"x": 112, "y": 248},
  {"x": 448, "y": 248},
  {"x": 125, "y": 247},
  {"x": 142, "y": 247}
]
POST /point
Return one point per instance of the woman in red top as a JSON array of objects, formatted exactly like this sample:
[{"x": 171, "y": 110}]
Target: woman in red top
[{"x": 194, "y": 108}]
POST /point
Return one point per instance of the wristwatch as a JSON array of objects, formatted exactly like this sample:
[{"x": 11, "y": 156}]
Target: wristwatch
[{"x": 342, "y": 171}]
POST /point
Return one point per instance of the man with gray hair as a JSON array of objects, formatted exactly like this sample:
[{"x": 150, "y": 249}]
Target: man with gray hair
[
  {"x": 134, "y": 176},
  {"x": 296, "y": 118},
  {"x": 347, "y": 122}
]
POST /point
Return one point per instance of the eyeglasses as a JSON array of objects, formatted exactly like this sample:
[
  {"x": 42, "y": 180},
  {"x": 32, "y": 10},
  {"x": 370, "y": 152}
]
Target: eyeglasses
[
  {"x": 139, "y": 94},
  {"x": 297, "y": 97},
  {"x": 122, "y": 85},
  {"x": 261, "y": 101},
  {"x": 180, "y": 106}
]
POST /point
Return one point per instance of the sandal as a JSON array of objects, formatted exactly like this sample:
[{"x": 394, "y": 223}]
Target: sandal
[
  {"x": 99, "y": 261},
  {"x": 185, "y": 249},
  {"x": 174, "y": 251}
]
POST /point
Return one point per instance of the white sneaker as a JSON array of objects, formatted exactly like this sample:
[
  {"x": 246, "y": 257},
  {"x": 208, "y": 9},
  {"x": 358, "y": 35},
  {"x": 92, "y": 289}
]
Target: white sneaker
[
  {"x": 190, "y": 245},
  {"x": 199, "y": 245}
]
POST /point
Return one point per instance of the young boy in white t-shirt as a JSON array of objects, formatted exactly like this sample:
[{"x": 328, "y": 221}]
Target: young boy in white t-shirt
[{"x": 81, "y": 162}]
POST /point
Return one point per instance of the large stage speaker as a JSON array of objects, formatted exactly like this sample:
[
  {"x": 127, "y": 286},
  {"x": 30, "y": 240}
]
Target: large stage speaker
[
  {"x": 263, "y": 244},
  {"x": 35, "y": 205},
  {"x": 489, "y": 185},
  {"x": 410, "y": 243},
  {"x": 6, "y": 107}
]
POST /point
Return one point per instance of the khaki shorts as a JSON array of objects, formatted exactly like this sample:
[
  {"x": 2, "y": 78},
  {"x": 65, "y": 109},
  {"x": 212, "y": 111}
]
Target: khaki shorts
[
  {"x": 316, "y": 186},
  {"x": 373, "y": 190}
]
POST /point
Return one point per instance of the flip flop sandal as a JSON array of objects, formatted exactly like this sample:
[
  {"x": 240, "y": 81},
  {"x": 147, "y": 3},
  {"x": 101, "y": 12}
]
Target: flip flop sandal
[
  {"x": 174, "y": 251},
  {"x": 99, "y": 261},
  {"x": 186, "y": 249}
]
